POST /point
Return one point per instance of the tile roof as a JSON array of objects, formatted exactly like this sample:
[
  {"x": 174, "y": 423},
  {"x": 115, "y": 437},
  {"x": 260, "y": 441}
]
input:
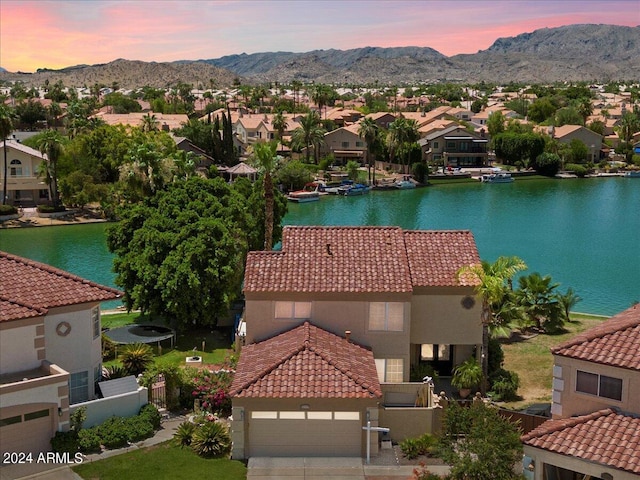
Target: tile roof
[
  {"x": 306, "y": 362},
  {"x": 31, "y": 288},
  {"x": 436, "y": 256},
  {"x": 607, "y": 437},
  {"x": 359, "y": 260},
  {"x": 614, "y": 342}
]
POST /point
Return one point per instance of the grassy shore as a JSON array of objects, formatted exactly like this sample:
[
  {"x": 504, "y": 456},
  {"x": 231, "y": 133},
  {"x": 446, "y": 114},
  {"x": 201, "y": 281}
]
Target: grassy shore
[{"x": 531, "y": 359}]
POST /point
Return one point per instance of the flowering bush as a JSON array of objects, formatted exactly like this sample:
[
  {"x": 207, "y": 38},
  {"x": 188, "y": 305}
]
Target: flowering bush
[{"x": 212, "y": 389}]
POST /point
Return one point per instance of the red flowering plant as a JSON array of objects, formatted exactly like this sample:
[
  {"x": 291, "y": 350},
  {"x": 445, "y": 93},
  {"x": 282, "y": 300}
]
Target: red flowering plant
[{"x": 211, "y": 387}]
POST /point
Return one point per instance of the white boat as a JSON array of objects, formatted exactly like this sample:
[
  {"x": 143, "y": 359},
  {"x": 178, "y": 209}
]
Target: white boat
[
  {"x": 632, "y": 174},
  {"x": 497, "y": 178},
  {"x": 302, "y": 196},
  {"x": 404, "y": 184},
  {"x": 356, "y": 189}
]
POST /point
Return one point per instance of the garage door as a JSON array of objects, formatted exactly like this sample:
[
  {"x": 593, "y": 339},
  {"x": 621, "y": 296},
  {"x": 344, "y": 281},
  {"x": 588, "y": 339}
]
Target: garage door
[
  {"x": 30, "y": 431},
  {"x": 305, "y": 434}
]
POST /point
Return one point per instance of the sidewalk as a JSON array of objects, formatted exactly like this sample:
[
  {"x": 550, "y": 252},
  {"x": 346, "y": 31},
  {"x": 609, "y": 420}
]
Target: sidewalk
[{"x": 56, "y": 471}]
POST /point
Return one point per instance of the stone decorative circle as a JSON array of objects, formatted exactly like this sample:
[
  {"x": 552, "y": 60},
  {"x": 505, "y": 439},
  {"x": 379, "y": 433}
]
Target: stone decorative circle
[
  {"x": 468, "y": 302},
  {"x": 63, "y": 329}
]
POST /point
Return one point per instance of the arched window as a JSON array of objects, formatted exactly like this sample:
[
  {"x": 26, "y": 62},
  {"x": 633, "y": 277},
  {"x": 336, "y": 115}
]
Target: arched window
[{"x": 16, "y": 168}]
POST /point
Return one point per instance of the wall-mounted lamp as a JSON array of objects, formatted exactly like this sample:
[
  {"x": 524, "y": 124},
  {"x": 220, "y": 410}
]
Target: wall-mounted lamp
[
  {"x": 305, "y": 406},
  {"x": 532, "y": 466},
  {"x": 606, "y": 476},
  {"x": 59, "y": 411}
]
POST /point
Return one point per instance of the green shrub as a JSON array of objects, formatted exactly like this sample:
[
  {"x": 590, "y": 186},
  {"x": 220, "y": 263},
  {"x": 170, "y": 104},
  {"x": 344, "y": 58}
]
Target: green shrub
[
  {"x": 65, "y": 442},
  {"x": 184, "y": 434},
  {"x": 579, "y": 170},
  {"x": 414, "y": 447},
  {"x": 108, "y": 348},
  {"x": 8, "y": 210},
  {"x": 211, "y": 440},
  {"x": 89, "y": 440},
  {"x": 138, "y": 428},
  {"x": 504, "y": 385},
  {"x": 421, "y": 370},
  {"x": 150, "y": 413},
  {"x": 136, "y": 357},
  {"x": 50, "y": 209},
  {"x": 114, "y": 432}
]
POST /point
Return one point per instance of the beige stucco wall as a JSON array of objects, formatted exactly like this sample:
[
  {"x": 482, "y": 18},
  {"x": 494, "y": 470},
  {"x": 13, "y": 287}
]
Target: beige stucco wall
[
  {"x": 17, "y": 349},
  {"x": 571, "y": 463},
  {"x": 123, "y": 405},
  {"x": 567, "y": 402},
  {"x": 333, "y": 141},
  {"x": 410, "y": 422},
  {"x": 78, "y": 351},
  {"x": 437, "y": 316},
  {"x": 336, "y": 316},
  {"x": 242, "y": 408}
]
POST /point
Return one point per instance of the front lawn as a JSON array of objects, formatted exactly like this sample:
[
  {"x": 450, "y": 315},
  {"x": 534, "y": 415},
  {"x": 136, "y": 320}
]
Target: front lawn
[{"x": 162, "y": 461}]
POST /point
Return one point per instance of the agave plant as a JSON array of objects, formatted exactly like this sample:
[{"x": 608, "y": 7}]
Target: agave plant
[
  {"x": 136, "y": 357},
  {"x": 113, "y": 372},
  {"x": 211, "y": 440},
  {"x": 184, "y": 434}
]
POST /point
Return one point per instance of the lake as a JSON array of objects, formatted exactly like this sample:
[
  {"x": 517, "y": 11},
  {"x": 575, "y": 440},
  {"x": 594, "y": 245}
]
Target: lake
[{"x": 584, "y": 233}]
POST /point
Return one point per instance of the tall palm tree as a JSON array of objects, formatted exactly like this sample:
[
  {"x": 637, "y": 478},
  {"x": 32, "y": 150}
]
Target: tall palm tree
[
  {"x": 280, "y": 124},
  {"x": 7, "y": 116},
  {"x": 402, "y": 133},
  {"x": 50, "y": 144},
  {"x": 296, "y": 85},
  {"x": 265, "y": 155},
  {"x": 309, "y": 134},
  {"x": 149, "y": 122},
  {"x": 492, "y": 280},
  {"x": 369, "y": 132}
]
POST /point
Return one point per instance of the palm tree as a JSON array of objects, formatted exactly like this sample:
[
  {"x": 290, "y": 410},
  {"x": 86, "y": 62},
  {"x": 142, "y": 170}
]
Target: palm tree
[
  {"x": 280, "y": 124},
  {"x": 136, "y": 357},
  {"x": 265, "y": 155},
  {"x": 50, "y": 144},
  {"x": 308, "y": 134},
  {"x": 7, "y": 116},
  {"x": 567, "y": 301},
  {"x": 296, "y": 85},
  {"x": 369, "y": 132},
  {"x": 492, "y": 281},
  {"x": 402, "y": 133},
  {"x": 149, "y": 122},
  {"x": 537, "y": 297}
]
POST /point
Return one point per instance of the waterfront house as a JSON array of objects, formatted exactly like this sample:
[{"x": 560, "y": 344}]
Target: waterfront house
[
  {"x": 344, "y": 144},
  {"x": 50, "y": 350},
  {"x": 392, "y": 295},
  {"x": 595, "y": 430},
  {"x": 592, "y": 140},
  {"x": 455, "y": 146},
  {"x": 24, "y": 186}
]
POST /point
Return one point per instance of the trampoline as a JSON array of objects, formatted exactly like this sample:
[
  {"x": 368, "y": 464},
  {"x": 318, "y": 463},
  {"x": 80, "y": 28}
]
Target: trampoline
[{"x": 140, "y": 334}]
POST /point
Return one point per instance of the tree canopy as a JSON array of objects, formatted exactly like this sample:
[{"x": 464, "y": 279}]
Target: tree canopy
[{"x": 180, "y": 253}]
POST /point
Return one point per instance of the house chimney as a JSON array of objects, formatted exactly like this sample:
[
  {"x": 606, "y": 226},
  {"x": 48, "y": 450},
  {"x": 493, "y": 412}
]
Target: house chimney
[{"x": 347, "y": 335}]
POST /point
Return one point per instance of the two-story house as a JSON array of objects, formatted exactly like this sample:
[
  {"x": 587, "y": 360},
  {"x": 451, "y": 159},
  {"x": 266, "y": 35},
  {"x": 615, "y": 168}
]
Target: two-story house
[
  {"x": 24, "y": 186},
  {"x": 591, "y": 139},
  {"x": 595, "y": 430},
  {"x": 455, "y": 147},
  {"x": 344, "y": 144},
  {"x": 50, "y": 350},
  {"x": 334, "y": 324}
]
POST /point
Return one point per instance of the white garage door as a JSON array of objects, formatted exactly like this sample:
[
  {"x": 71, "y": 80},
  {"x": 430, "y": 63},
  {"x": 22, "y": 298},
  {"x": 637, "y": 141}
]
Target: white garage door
[
  {"x": 305, "y": 434},
  {"x": 30, "y": 431}
]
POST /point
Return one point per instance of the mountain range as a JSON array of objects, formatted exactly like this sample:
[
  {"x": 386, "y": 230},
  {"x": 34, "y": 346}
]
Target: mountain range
[{"x": 571, "y": 53}]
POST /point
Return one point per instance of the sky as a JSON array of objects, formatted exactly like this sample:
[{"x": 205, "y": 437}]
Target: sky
[{"x": 60, "y": 33}]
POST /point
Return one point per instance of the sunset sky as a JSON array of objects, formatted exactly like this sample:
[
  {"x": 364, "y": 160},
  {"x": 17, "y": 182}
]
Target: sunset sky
[{"x": 54, "y": 33}]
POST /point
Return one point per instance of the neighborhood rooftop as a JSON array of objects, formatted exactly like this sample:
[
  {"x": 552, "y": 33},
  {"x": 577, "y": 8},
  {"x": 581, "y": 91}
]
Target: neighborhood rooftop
[
  {"x": 31, "y": 288},
  {"x": 361, "y": 260},
  {"x": 306, "y": 362}
]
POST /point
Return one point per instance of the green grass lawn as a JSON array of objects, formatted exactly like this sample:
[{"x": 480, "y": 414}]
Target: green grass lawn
[
  {"x": 161, "y": 461},
  {"x": 217, "y": 342},
  {"x": 532, "y": 360}
]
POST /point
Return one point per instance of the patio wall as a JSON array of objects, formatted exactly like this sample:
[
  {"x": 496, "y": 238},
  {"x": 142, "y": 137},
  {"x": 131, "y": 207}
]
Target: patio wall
[
  {"x": 410, "y": 422},
  {"x": 123, "y": 405}
]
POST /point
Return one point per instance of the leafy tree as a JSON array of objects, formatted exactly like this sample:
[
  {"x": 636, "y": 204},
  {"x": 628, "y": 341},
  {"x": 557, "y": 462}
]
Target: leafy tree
[
  {"x": 402, "y": 134},
  {"x": 293, "y": 175},
  {"x": 121, "y": 103},
  {"x": 567, "y": 301},
  {"x": 200, "y": 134},
  {"x": 7, "y": 118},
  {"x": 180, "y": 253},
  {"x": 547, "y": 164},
  {"x": 78, "y": 189},
  {"x": 568, "y": 116},
  {"x": 493, "y": 281},
  {"x": 308, "y": 134},
  {"x": 30, "y": 113},
  {"x": 578, "y": 151},
  {"x": 518, "y": 147},
  {"x": 57, "y": 93},
  {"x": 495, "y": 124},
  {"x": 369, "y": 132},
  {"x": 479, "y": 443},
  {"x": 265, "y": 156},
  {"x": 541, "y": 110},
  {"x": 597, "y": 126}
]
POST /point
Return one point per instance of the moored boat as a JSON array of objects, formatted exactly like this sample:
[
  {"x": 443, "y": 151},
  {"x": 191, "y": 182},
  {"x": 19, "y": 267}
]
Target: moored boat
[
  {"x": 302, "y": 196},
  {"x": 632, "y": 174},
  {"x": 355, "y": 189},
  {"x": 497, "y": 178}
]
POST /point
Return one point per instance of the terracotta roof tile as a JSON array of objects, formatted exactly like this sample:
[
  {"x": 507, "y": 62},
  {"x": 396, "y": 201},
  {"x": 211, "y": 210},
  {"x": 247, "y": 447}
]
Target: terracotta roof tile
[
  {"x": 607, "y": 437},
  {"x": 614, "y": 342},
  {"x": 30, "y": 285},
  {"x": 306, "y": 362},
  {"x": 360, "y": 259},
  {"x": 11, "y": 310},
  {"x": 436, "y": 256}
]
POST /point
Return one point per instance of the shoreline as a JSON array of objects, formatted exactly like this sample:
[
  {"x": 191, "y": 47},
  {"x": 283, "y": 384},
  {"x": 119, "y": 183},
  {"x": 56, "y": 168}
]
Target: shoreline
[{"x": 30, "y": 218}]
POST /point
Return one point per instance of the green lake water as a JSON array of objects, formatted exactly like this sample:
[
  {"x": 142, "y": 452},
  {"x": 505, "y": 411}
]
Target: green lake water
[{"x": 584, "y": 233}]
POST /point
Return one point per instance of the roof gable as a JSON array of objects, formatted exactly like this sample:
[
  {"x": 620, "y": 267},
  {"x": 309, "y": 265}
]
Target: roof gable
[
  {"x": 614, "y": 342},
  {"x": 306, "y": 362},
  {"x": 607, "y": 437},
  {"x": 38, "y": 287}
]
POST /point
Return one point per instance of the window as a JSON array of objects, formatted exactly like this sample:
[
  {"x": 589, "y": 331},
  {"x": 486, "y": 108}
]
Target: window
[
  {"x": 451, "y": 146},
  {"x": 10, "y": 420},
  {"x": 390, "y": 370},
  {"x": 599, "y": 385},
  {"x": 16, "y": 168},
  {"x": 34, "y": 415},
  {"x": 345, "y": 144},
  {"x": 359, "y": 144},
  {"x": 97, "y": 377},
  {"x": 386, "y": 316},
  {"x": 434, "y": 352},
  {"x": 43, "y": 194},
  {"x": 293, "y": 310},
  {"x": 95, "y": 320},
  {"x": 435, "y": 145},
  {"x": 79, "y": 387}
]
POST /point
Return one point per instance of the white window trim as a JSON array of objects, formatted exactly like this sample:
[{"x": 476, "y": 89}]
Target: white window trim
[
  {"x": 95, "y": 319},
  {"x": 386, "y": 326},
  {"x": 598, "y": 395}
]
